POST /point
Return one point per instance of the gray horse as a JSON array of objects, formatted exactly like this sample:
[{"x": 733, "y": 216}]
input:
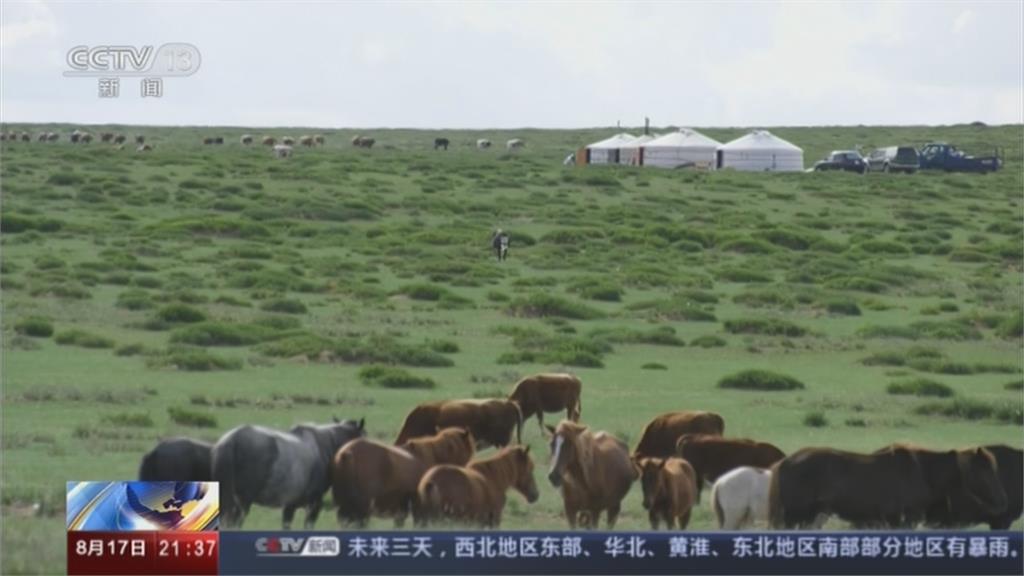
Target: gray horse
[
  {"x": 177, "y": 460},
  {"x": 257, "y": 465}
]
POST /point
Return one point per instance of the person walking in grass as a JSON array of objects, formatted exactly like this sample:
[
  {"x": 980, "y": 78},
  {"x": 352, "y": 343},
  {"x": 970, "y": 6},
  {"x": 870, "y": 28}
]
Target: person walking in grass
[{"x": 499, "y": 243}]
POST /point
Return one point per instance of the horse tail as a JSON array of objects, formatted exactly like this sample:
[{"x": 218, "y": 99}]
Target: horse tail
[
  {"x": 224, "y": 475},
  {"x": 431, "y": 504},
  {"x": 346, "y": 489},
  {"x": 776, "y": 513},
  {"x": 519, "y": 423},
  {"x": 719, "y": 513},
  {"x": 578, "y": 409}
]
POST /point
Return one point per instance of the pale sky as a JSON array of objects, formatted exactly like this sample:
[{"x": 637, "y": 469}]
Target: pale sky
[{"x": 519, "y": 64}]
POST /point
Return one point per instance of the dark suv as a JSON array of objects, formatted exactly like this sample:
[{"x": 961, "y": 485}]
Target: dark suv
[
  {"x": 848, "y": 160},
  {"x": 893, "y": 159}
]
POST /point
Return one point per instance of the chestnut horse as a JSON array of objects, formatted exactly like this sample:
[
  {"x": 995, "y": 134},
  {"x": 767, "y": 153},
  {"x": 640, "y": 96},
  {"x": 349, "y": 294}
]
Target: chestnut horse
[
  {"x": 670, "y": 490},
  {"x": 476, "y": 493},
  {"x": 593, "y": 470},
  {"x": 491, "y": 421},
  {"x": 659, "y": 437},
  {"x": 542, "y": 393}
]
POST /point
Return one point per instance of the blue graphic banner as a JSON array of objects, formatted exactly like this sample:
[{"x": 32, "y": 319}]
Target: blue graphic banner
[
  {"x": 124, "y": 506},
  {"x": 973, "y": 553}
]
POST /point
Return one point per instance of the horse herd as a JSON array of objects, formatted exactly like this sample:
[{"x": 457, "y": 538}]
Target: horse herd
[{"x": 433, "y": 472}]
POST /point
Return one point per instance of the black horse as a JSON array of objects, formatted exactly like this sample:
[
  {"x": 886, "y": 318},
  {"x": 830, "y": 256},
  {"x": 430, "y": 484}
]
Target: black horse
[
  {"x": 178, "y": 460},
  {"x": 440, "y": 143},
  {"x": 289, "y": 470}
]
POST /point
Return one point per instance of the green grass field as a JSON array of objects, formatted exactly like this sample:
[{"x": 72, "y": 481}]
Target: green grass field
[{"x": 221, "y": 282}]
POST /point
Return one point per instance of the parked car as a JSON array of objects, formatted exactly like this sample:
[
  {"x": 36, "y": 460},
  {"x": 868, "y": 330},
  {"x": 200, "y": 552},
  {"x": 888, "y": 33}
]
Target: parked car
[
  {"x": 847, "y": 160},
  {"x": 942, "y": 156},
  {"x": 893, "y": 159}
]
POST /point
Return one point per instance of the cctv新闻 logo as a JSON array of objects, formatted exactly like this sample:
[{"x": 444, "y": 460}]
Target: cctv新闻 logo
[
  {"x": 172, "y": 59},
  {"x": 298, "y": 546}
]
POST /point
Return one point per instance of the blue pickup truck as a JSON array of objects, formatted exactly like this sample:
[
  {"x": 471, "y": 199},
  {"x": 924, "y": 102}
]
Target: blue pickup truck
[{"x": 942, "y": 156}]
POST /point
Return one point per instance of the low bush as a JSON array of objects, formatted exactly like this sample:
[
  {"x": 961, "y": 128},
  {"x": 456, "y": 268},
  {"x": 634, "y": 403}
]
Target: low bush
[
  {"x": 180, "y": 313},
  {"x": 186, "y": 417},
  {"x": 765, "y": 327},
  {"x": 708, "y": 341},
  {"x": 545, "y": 305},
  {"x": 391, "y": 377},
  {"x": 654, "y": 366},
  {"x": 920, "y": 387},
  {"x": 760, "y": 380},
  {"x": 285, "y": 306},
  {"x": 192, "y": 360},
  {"x": 135, "y": 420},
  {"x": 84, "y": 339},
  {"x": 815, "y": 420},
  {"x": 34, "y": 326}
]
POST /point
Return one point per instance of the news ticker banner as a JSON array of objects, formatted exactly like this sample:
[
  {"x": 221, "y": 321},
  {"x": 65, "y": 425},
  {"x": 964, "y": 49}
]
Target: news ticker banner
[
  {"x": 142, "y": 527},
  {"x": 171, "y": 528}
]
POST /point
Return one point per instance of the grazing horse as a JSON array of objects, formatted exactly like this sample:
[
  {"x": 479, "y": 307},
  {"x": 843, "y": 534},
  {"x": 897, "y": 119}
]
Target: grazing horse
[
  {"x": 895, "y": 487},
  {"x": 269, "y": 141},
  {"x": 246, "y": 139},
  {"x": 76, "y": 135},
  {"x": 140, "y": 139},
  {"x": 120, "y": 139},
  {"x": 660, "y": 436},
  {"x": 363, "y": 142},
  {"x": 106, "y": 136},
  {"x": 178, "y": 460},
  {"x": 288, "y": 141},
  {"x": 282, "y": 150},
  {"x": 52, "y": 136},
  {"x": 319, "y": 139},
  {"x": 740, "y": 497},
  {"x": 208, "y": 141},
  {"x": 257, "y": 465},
  {"x": 441, "y": 143},
  {"x": 145, "y": 148},
  {"x": 41, "y": 137},
  {"x": 476, "y": 493},
  {"x": 542, "y": 393},
  {"x": 86, "y": 138},
  {"x": 306, "y": 141},
  {"x": 670, "y": 490},
  {"x": 483, "y": 144},
  {"x": 593, "y": 470},
  {"x": 711, "y": 455},
  {"x": 371, "y": 477},
  {"x": 490, "y": 421},
  {"x": 514, "y": 144}
]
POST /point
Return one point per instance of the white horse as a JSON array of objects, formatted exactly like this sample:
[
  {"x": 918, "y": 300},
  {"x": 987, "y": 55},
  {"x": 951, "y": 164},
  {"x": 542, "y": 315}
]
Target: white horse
[
  {"x": 740, "y": 497},
  {"x": 282, "y": 150},
  {"x": 514, "y": 144},
  {"x": 483, "y": 143}
]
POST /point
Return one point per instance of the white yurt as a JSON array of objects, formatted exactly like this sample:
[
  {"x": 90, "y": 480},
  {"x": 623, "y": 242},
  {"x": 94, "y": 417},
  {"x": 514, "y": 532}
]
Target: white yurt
[
  {"x": 761, "y": 151},
  {"x": 630, "y": 153},
  {"x": 681, "y": 148},
  {"x": 607, "y": 151}
]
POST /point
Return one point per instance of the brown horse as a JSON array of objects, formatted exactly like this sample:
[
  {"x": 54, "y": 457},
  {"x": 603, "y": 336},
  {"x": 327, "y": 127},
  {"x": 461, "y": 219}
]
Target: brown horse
[
  {"x": 490, "y": 421},
  {"x": 370, "y": 477},
  {"x": 449, "y": 446},
  {"x": 670, "y": 490},
  {"x": 711, "y": 456},
  {"x": 593, "y": 470},
  {"x": 363, "y": 142},
  {"x": 268, "y": 141},
  {"x": 306, "y": 141},
  {"x": 476, "y": 493},
  {"x": 542, "y": 393},
  {"x": 659, "y": 437}
]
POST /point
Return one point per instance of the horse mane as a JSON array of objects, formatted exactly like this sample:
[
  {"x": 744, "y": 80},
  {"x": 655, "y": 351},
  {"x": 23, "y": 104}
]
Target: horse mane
[{"x": 499, "y": 469}]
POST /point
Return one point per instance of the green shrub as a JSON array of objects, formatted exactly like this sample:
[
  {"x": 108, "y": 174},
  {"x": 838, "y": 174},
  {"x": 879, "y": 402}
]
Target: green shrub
[
  {"x": 309, "y": 345},
  {"x": 842, "y": 306},
  {"x": 387, "y": 350},
  {"x": 443, "y": 346},
  {"x": 192, "y": 360},
  {"x": 223, "y": 334},
  {"x": 391, "y": 377},
  {"x": 285, "y": 306},
  {"x": 708, "y": 341},
  {"x": 815, "y": 420},
  {"x": 180, "y": 313},
  {"x": 84, "y": 339},
  {"x": 856, "y": 423},
  {"x": 1012, "y": 326},
  {"x": 760, "y": 380},
  {"x": 130, "y": 349},
  {"x": 1016, "y": 385},
  {"x": 186, "y": 417},
  {"x": 742, "y": 275},
  {"x": 654, "y": 366},
  {"x": 920, "y": 387},
  {"x": 34, "y": 326},
  {"x": 545, "y": 305},
  {"x": 765, "y": 326},
  {"x": 680, "y": 308},
  {"x": 134, "y": 300},
  {"x": 495, "y": 296},
  {"x": 135, "y": 420},
  {"x": 660, "y": 336}
]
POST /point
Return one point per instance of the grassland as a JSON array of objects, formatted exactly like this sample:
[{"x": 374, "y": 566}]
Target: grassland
[{"x": 194, "y": 288}]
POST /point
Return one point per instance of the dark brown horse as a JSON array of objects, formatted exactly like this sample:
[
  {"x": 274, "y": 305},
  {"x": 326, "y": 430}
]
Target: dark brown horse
[
  {"x": 490, "y": 421},
  {"x": 542, "y": 393},
  {"x": 711, "y": 456},
  {"x": 593, "y": 470},
  {"x": 369, "y": 477},
  {"x": 670, "y": 490},
  {"x": 476, "y": 493},
  {"x": 895, "y": 487},
  {"x": 660, "y": 436},
  {"x": 441, "y": 143}
]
